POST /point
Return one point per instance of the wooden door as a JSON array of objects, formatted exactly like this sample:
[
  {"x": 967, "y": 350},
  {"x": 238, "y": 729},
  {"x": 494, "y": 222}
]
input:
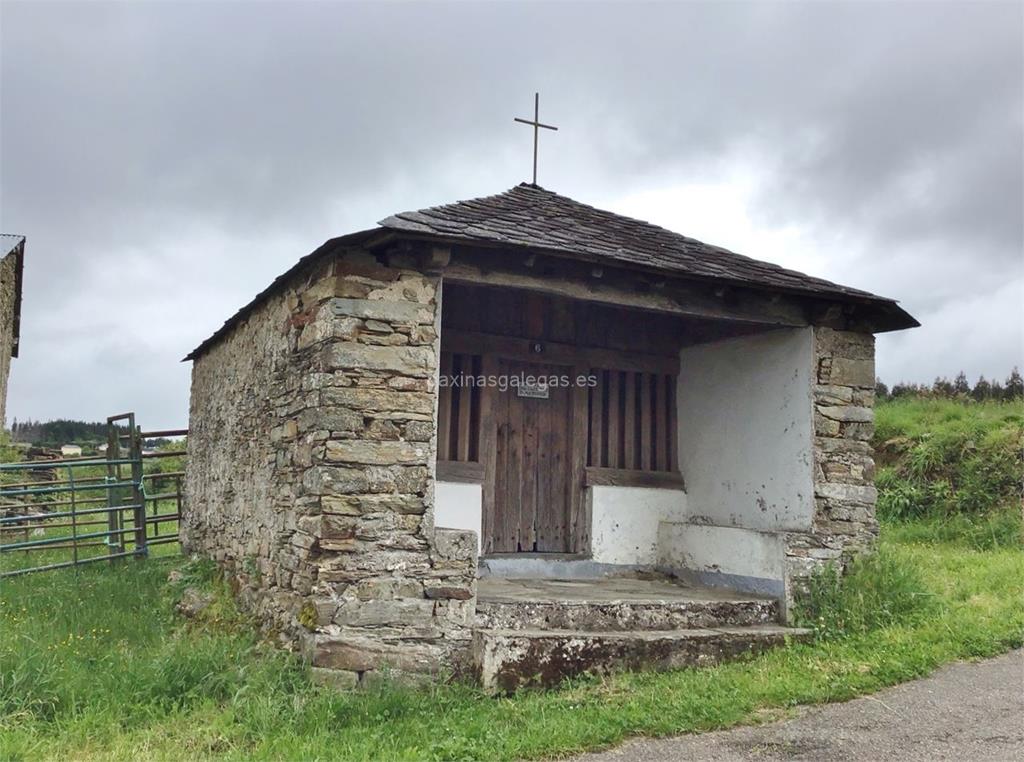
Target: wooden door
[{"x": 532, "y": 475}]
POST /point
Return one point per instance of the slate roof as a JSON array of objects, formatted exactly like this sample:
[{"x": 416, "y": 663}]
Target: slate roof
[{"x": 531, "y": 216}]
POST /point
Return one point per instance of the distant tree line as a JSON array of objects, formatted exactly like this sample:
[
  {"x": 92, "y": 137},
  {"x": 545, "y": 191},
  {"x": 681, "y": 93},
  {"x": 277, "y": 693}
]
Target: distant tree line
[
  {"x": 56, "y": 433},
  {"x": 957, "y": 389}
]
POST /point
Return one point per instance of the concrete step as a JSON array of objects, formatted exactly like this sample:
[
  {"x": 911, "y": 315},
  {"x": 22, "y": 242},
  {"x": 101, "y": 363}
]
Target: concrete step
[
  {"x": 620, "y": 605},
  {"x": 624, "y": 616},
  {"x": 505, "y": 660}
]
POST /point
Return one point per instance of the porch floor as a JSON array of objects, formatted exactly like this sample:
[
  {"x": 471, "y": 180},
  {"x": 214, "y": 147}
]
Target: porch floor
[{"x": 605, "y": 590}]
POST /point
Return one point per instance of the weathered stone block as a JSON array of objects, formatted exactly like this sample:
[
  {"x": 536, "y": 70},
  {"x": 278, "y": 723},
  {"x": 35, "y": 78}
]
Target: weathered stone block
[
  {"x": 847, "y": 492},
  {"x": 409, "y": 361},
  {"x": 330, "y": 418},
  {"x": 460, "y": 593},
  {"x": 847, "y": 372},
  {"x": 377, "y": 400},
  {"x": 360, "y": 655},
  {"x": 830, "y": 394},
  {"x": 383, "y": 311},
  {"x": 372, "y": 452},
  {"x": 356, "y": 505},
  {"x": 339, "y": 679},
  {"x": 847, "y": 413},
  {"x": 374, "y": 613}
]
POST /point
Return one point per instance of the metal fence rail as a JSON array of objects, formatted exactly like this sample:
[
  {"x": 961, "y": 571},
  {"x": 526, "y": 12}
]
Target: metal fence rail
[{"x": 103, "y": 509}]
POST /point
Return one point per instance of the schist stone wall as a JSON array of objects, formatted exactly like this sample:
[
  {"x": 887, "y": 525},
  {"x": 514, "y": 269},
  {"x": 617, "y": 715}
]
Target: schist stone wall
[
  {"x": 8, "y": 296},
  {"x": 844, "y": 523},
  {"x": 311, "y": 460}
]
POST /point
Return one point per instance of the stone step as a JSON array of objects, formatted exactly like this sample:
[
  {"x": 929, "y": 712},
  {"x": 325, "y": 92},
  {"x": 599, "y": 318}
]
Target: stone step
[
  {"x": 505, "y": 660},
  {"x": 614, "y": 604}
]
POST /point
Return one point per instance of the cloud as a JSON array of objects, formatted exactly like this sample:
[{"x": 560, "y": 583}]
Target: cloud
[{"x": 166, "y": 160}]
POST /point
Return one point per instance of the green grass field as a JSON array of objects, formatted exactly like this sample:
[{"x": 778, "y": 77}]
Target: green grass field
[{"x": 95, "y": 664}]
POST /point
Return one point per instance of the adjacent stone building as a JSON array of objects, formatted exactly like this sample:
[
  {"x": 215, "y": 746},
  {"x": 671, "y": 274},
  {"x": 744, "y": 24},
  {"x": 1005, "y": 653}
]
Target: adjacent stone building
[
  {"x": 522, "y": 386},
  {"x": 12, "y": 262}
]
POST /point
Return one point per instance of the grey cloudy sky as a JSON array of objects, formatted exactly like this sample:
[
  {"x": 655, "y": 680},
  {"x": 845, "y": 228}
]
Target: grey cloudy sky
[{"x": 166, "y": 160}]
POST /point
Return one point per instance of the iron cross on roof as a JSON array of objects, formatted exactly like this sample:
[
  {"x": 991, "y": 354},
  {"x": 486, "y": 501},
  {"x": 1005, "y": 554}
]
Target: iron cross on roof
[{"x": 536, "y": 130}]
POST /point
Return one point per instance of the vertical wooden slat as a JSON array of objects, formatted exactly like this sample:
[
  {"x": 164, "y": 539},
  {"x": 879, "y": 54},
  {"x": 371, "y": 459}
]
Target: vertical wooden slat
[
  {"x": 476, "y": 396},
  {"x": 673, "y": 426},
  {"x": 629, "y": 422},
  {"x": 597, "y": 420},
  {"x": 579, "y": 535},
  {"x": 444, "y": 410},
  {"x": 614, "y": 421},
  {"x": 492, "y": 415},
  {"x": 662, "y": 428},
  {"x": 646, "y": 456},
  {"x": 465, "y": 400}
]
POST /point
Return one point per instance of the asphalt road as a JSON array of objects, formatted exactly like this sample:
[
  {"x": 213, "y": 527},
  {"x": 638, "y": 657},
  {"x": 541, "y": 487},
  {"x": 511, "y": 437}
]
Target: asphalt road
[{"x": 961, "y": 712}]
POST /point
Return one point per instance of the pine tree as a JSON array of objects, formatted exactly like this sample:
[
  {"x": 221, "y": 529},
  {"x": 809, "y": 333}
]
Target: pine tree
[
  {"x": 1014, "y": 385},
  {"x": 942, "y": 387},
  {"x": 982, "y": 390},
  {"x": 960, "y": 385}
]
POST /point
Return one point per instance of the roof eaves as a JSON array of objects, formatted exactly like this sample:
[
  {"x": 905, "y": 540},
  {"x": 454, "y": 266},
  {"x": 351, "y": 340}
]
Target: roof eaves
[{"x": 328, "y": 246}]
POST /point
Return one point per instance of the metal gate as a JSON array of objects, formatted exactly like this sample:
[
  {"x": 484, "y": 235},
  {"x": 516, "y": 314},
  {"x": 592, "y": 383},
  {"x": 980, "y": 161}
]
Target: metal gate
[{"x": 65, "y": 512}]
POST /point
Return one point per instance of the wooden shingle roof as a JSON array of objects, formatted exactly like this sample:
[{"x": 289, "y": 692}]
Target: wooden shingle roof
[{"x": 533, "y": 217}]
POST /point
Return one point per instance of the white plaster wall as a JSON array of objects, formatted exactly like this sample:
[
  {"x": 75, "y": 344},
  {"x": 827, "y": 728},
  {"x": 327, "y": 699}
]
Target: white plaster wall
[
  {"x": 624, "y": 522},
  {"x": 723, "y": 550},
  {"x": 459, "y": 506},
  {"x": 746, "y": 431}
]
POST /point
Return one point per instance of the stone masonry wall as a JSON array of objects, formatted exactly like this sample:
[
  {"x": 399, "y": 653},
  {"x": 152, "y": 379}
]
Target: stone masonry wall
[
  {"x": 8, "y": 269},
  {"x": 310, "y": 472},
  {"x": 844, "y": 523}
]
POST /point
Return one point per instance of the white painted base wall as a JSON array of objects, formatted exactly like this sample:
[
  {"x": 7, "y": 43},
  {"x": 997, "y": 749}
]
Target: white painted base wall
[
  {"x": 746, "y": 434},
  {"x": 721, "y": 550},
  {"x": 459, "y": 506},
  {"x": 746, "y": 430},
  {"x": 625, "y": 520}
]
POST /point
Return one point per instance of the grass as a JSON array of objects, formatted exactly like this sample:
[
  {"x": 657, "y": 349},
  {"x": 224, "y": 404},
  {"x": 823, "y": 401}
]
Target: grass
[
  {"x": 96, "y": 665},
  {"x": 940, "y": 458}
]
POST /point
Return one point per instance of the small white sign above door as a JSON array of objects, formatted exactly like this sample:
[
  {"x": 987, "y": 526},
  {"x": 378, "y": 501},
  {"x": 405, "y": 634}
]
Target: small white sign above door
[{"x": 533, "y": 391}]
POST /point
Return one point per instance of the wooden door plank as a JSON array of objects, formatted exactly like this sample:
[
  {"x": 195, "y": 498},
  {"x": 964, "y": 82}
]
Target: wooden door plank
[
  {"x": 528, "y": 472},
  {"x": 558, "y": 540},
  {"x": 491, "y": 416},
  {"x": 544, "y": 518},
  {"x": 578, "y": 531}
]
